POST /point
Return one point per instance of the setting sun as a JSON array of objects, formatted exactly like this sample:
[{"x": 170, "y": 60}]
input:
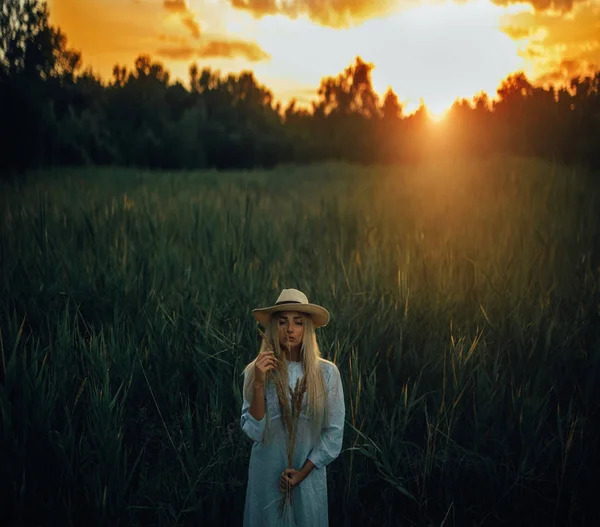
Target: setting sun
[{"x": 437, "y": 117}]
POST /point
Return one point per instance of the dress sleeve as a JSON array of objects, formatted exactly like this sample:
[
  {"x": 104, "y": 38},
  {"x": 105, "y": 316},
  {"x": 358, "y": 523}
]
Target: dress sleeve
[
  {"x": 329, "y": 445},
  {"x": 253, "y": 428}
]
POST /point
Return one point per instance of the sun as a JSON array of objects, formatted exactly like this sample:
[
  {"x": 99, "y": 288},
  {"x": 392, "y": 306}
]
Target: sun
[{"x": 437, "y": 116}]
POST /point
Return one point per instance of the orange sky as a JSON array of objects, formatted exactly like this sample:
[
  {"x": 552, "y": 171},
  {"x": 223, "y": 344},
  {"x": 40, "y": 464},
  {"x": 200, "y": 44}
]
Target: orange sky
[{"x": 431, "y": 50}]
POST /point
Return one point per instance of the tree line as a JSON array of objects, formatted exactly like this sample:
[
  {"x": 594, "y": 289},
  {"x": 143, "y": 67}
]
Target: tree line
[{"x": 55, "y": 113}]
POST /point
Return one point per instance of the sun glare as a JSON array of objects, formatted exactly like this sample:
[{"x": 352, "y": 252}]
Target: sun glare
[
  {"x": 435, "y": 52},
  {"x": 441, "y": 52},
  {"x": 437, "y": 116}
]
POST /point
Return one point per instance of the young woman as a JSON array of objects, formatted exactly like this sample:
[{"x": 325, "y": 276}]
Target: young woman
[{"x": 290, "y": 334}]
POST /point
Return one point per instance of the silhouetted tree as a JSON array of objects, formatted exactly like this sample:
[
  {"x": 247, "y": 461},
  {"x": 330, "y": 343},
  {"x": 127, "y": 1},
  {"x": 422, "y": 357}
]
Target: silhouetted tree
[
  {"x": 36, "y": 72},
  {"x": 390, "y": 137}
]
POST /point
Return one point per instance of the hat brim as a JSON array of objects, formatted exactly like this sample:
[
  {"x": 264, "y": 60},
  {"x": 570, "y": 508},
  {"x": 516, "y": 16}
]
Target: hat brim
[{"x": 318, "y": 314}]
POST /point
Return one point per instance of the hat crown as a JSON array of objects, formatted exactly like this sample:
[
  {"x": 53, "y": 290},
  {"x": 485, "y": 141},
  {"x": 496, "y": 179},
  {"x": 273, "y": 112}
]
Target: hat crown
[
  {"x": 285, "y": 302},
  {"x": 292, "y": 296}
]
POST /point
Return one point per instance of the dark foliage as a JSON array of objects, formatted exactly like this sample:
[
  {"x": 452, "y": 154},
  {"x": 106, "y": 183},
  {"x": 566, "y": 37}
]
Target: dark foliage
[{"x": 53, "y": 114}]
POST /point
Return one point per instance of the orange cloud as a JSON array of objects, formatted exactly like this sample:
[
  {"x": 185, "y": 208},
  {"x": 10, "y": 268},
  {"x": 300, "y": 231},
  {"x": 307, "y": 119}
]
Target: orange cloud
[
  {"x": 561, "y": 6},
  {"x": 581, "y": 26},
  {"x": 336, "y": 13},
  {"x": 190, "y": 22},
  {"x": 558, "y": 47},
  {"x": 177, "y": 6},
  {"x": 567, "y": 70},
  {"x": 188, "y": 18},
  {"x": 516, "y": 32},
  {"x": 173, "y": 39},
  {"x": 184, "y": 52},
  {"x": 216, "y": 48},
  {"x": 234, "y": 48}
]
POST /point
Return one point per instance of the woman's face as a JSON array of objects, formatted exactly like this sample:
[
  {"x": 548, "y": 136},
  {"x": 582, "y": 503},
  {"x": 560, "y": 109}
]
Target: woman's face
[{"x": 290, "y": 328}]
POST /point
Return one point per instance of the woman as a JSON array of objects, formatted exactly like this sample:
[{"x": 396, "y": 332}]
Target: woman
[{"x": 290, "y": 334}]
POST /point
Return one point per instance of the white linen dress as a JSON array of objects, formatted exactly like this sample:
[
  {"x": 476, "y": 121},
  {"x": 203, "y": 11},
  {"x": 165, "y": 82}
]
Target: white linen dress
[{"x": 267, "y": 462}]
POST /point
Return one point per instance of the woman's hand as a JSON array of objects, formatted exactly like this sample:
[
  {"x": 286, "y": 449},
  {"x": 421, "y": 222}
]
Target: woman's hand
[
  {"x": 266, "y": 361},
  {"x": 290, "y": 477}
]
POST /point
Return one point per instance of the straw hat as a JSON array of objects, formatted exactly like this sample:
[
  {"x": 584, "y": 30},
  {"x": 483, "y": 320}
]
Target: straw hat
[{"x": 293, "y": 300}]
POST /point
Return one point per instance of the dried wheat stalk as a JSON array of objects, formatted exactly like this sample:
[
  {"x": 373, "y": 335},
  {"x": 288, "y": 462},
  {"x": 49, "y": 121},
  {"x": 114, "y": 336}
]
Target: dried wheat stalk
[
  {"x": 296, "y": 396},
  {"x": 289, "y": 417}
]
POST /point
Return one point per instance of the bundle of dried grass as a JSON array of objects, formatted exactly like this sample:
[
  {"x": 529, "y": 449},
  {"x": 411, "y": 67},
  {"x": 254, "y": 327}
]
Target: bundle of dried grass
[{"x": 290, "y": 413}]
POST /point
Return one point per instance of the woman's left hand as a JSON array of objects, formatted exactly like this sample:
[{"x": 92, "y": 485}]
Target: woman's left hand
[{"x": 291, "y": 477}]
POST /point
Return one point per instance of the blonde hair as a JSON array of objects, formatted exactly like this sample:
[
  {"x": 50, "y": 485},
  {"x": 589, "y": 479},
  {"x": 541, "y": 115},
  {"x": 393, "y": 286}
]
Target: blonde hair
[{"x": 310, "y": 355}]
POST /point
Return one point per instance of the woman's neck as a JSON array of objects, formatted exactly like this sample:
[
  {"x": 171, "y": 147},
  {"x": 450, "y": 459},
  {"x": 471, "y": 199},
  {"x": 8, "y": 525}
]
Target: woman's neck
[{"x": 293, "y": 355}]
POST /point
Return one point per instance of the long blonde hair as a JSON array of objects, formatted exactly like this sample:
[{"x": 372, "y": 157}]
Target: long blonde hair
[{"x": 310, "y": 355}]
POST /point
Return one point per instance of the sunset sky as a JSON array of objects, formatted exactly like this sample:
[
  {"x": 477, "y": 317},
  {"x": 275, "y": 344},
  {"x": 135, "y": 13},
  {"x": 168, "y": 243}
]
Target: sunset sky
[{"x": 431, "y": 50}]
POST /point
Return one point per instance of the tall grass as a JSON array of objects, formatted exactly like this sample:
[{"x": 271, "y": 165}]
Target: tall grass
[{"x": 465, "y": 323}]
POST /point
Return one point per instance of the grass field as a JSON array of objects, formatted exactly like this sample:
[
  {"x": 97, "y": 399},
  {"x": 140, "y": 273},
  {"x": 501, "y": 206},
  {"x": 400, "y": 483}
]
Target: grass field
[{"x": 465, "y": 301}]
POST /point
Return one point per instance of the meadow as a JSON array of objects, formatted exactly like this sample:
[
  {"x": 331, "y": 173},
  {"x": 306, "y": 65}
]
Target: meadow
[{"x": 465, "y": 302}]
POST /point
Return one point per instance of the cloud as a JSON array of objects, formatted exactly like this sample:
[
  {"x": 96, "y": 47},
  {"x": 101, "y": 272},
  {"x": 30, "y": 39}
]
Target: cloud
[
  {"x": 216, "y": 48},
  {"x": 567, "y": 70},
  {"x": 336, "y": 13},
  {"x": 183, "y": 52},
  {"x": 560, "y": 6},
  {"x": 582, "y": 25},
  {"x": 533, "y": 52},
  {"x": 174, "y": 39},
  {"x": 556, "y": 46},
  {"x": 516, "y": 32},
  {"x": 207, "y": 48},
  {"x": 176, "y": 6},
  {"x": 234, "y": 48},
  {"x": 188, "y": 19},
  {"x": 190, "y": 22}
]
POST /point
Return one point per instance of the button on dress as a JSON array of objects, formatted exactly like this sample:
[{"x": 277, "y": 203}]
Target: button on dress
[{"x": 267, "y": 462}]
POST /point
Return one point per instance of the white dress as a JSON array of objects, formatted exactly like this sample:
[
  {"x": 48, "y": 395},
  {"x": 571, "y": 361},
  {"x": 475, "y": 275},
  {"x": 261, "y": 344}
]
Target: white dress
[{"x": 267, "y": 462}]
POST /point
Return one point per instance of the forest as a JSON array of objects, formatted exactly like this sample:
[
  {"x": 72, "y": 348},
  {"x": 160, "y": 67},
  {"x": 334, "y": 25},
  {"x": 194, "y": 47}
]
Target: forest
[{"x": 55, "y": 112}]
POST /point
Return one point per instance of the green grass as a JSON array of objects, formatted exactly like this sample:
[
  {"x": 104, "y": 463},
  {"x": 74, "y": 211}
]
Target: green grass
[{"x": 465, "y": 322}]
